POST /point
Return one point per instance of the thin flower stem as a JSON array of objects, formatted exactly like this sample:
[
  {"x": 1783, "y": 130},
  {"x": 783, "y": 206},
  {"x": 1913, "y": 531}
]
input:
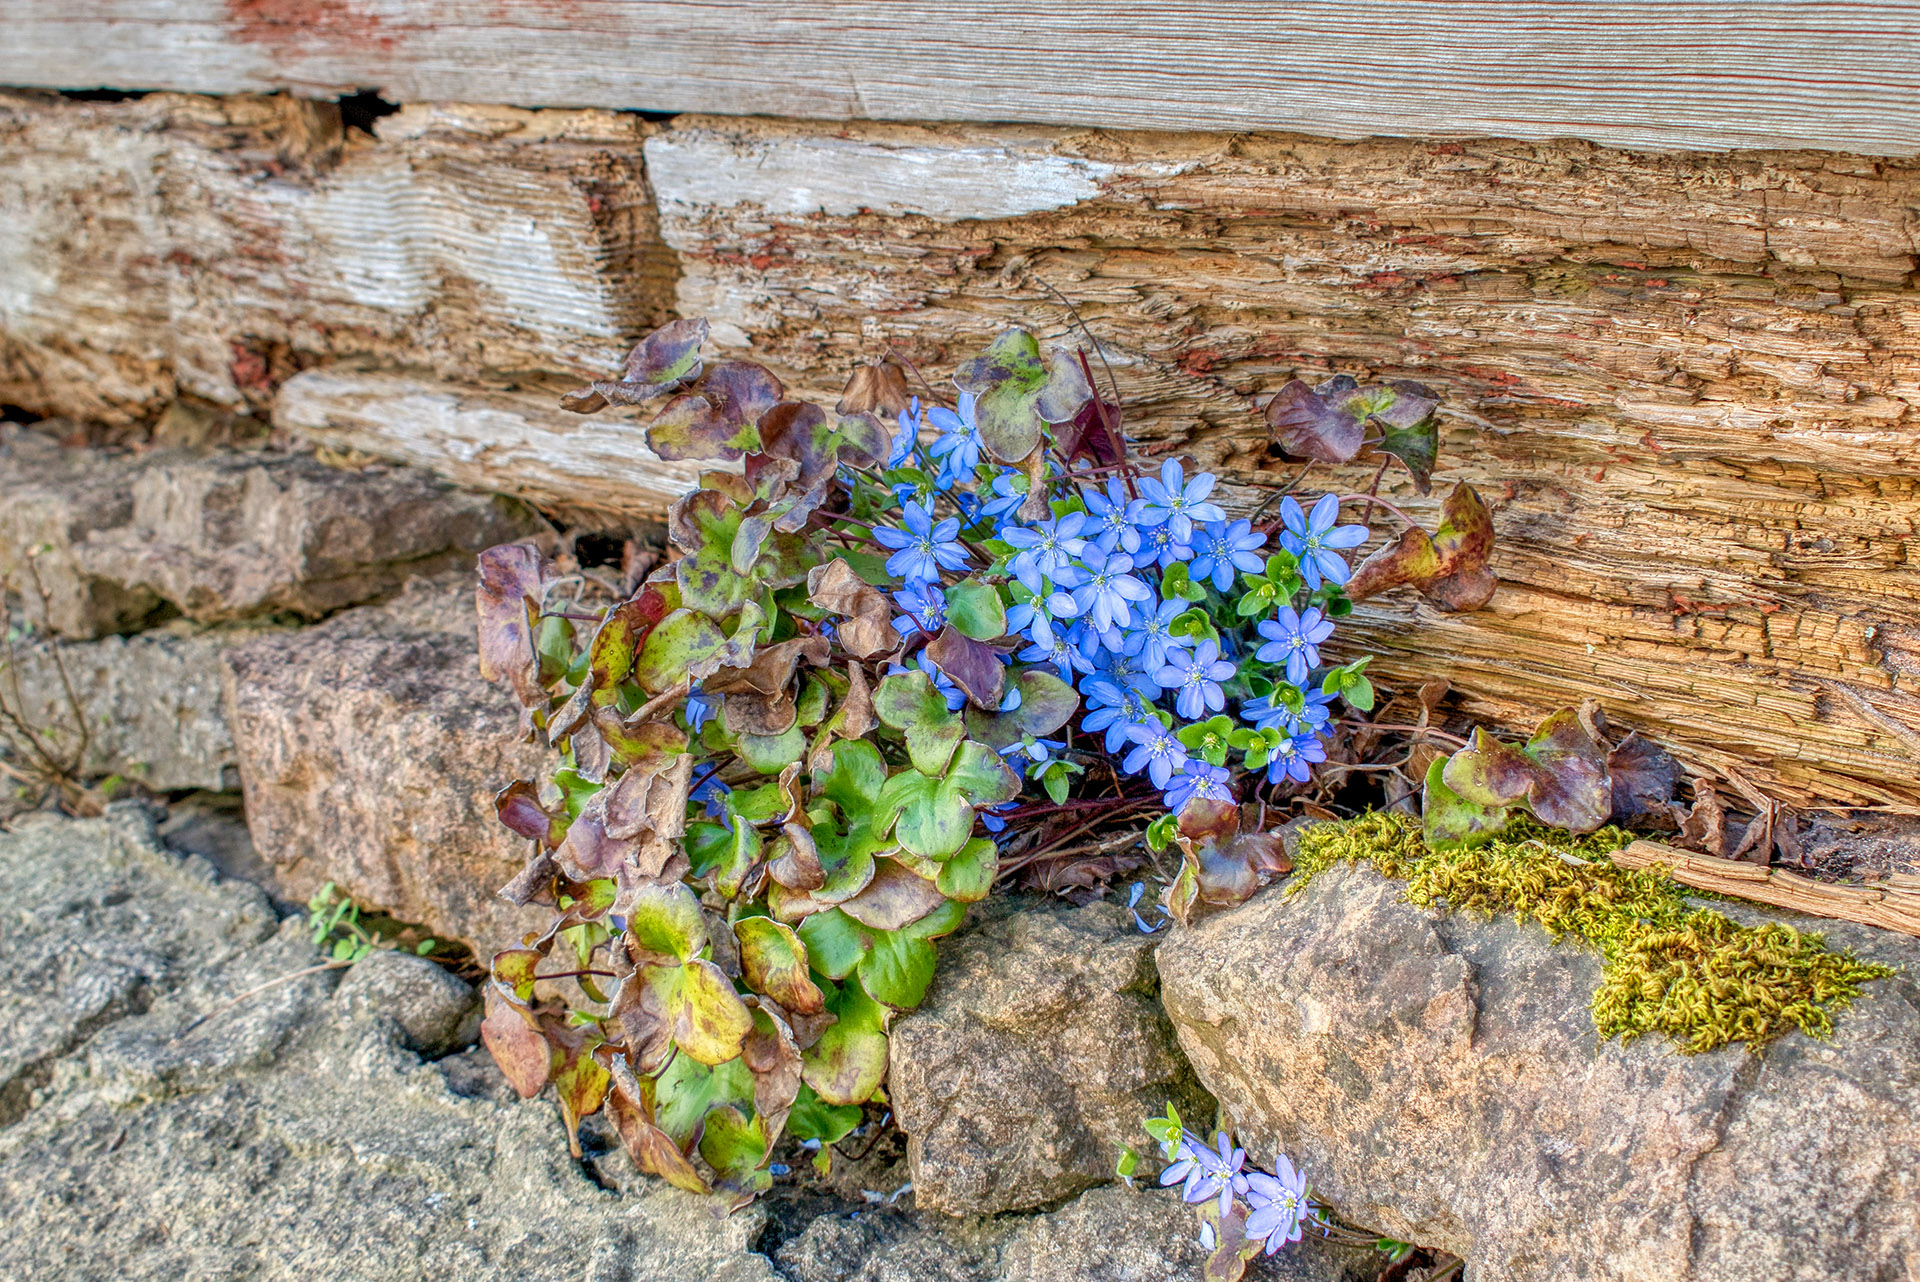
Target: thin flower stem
[
  {"x": 1374, "y": 489},
  {"x": 1426, "y": 731},
  {"x": 1373, "y": 499},
  {"x": 574, "y": 974},
  {"x": 907, "y": 360}
]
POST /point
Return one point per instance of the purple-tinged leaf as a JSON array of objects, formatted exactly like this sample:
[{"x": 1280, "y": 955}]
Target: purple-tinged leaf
[
  {"x": 1645, "y": 778},
  {"x": 1046, "y": 704},
  {"x": 741, "y": 391},
  {"x": 1450, "y": 821},
  {"x": 518, "y": 807},
  {"x": 513, "y": 580},
  {"x": 689, "y": 427},
  {"x": 894, "y": 898},
  {"x": 1315, "y": 422},
  {"x": 660, "y": 362},
  {"x": 1018, "y": 392},
  {"x": 512, "y": 1036},
  {"x": 972, "y": 665},
  {"x": 1410, "y": 427}
]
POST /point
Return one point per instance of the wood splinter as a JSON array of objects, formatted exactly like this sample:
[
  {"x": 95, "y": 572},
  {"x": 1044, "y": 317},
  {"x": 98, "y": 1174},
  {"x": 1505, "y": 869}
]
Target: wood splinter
[{"x": 1893, "y": 905}]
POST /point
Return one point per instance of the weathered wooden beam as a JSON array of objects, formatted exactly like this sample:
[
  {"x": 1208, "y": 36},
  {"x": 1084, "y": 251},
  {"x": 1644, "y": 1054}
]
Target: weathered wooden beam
[
  {"x": 212, "y": 247},
  {"x": 1718, "y": 74},
  {"x": 1892, "y": 905},
  {"x": 1686, "y": 384},
  {"x": 512, "y": 442}
]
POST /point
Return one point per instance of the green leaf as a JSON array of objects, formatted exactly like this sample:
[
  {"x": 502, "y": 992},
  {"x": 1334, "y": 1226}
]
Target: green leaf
[
  {"x": 976, "y": 610},
  {"x": 909, "y": 703},
  {"x": 709, "y": 1021},
  {"x": 688, "y": 1090},
  {"x": 968, "y": 876},
  {"x": 658, "y": 363},
  {"x": 1407, "y": 415},
  {"x": 1450, "y": 821},
  {"x": 1209, "y": 739},
  {"x": 813, "y": 1118},
  {"x": 898, "y": 969},
  {"x": 721, "y": 855},
  {"x": 682, "y": 639},
  {"x": 773, "y": 961},
  {"x": 664, "y": 921},
  {"x": 735, "y": 1147},
  {"x": 1046, "y": 704},
  {"x": 770, "y": 754},
  {"x": 1160, "y": 832},
  {"x": 933, "y": 821},
  {"x": 835, "y": 942},
  {"x": 849, "y": 1062},
  {"x": 1018, "y": 391}
]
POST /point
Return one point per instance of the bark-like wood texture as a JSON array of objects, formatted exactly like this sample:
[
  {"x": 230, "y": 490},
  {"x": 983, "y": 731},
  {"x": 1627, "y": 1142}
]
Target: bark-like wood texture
[
  {"x": 1649, "y": 73},
  {"x": 1890, "y": 906},
  {"x": 213, "y": 246},
  {"x": 1686, "y": 384}
]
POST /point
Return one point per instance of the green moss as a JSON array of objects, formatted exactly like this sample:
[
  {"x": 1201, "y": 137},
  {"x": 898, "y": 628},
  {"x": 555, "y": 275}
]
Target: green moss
[{"x": 1670, "y": 967}]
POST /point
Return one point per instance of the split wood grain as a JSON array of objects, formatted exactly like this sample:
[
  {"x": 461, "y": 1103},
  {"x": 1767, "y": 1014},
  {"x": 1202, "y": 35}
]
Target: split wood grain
[
  {"x": 1891, "y": 906},
  {"x": 1687, "y": 385},
  {"x": 1645, "y": 73},
  {"x": 211, "y": 247}
]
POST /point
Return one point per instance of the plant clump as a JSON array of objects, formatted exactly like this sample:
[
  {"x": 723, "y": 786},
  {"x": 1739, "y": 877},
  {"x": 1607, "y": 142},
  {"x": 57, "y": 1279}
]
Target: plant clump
[{"x": 1670, "y": 967}]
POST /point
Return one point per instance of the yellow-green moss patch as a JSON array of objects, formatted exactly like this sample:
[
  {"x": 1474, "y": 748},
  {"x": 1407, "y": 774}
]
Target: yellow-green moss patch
[{"x": 1691, "y": 973}]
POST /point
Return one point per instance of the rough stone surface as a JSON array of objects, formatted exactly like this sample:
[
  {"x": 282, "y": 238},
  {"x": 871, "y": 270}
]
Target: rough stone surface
[
  {"x": 436, "y": 1011},
  {"x": 1039, "y": 1050},
  {"x": 294, "y": 1136},
  {"x": 127, "y": 538},
  {"x": 1439, "y": 1078},
  {"x": 226, "y": 536},
  {"x": 152, "y": 702},
  {"x": 1109, "y": 1234},
  {"x": 54, "y": 498},
  {"x": 370, "y": 750},
  {"x": 98, "y": 920}
]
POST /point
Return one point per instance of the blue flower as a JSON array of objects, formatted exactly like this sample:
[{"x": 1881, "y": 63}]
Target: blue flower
[
  {"x": 1158, "y": 546},
  {"x": 1053, "y": 647},
  {"x": 1294, "y": 758},
  {"x": 1265, "y": 712},
  {"x": 1276, "y": 1205},
  {"x": 1005, "y": 498},
  {"x": 992, "y": 820},
  {"x": 1129, "y": 671},
  {"x": 1034, "y": 750},
  {"x": 958, "y": 445},
  {"x": 1293, "y": 638},
  {"x": 713, "y": 794},
  {"x": 926, "y": 610},
  {"x": 1198, "y": 779},
  {"x": 1178, "y": 503},
  {"x": 1109, "y": 588},
  {"x": 698, "y": 708},
  {"x": 1311, "y": 536},
  {"x": 924, "y": 548},
  {"x": 955, "y": 697},
  {"x": 1156, "y": 751},
  {"x": 1114, "y": 517},
  {"x": 1197, "y": 677},
  {"x": 906, "y": 436},
  {"x": 1222, "y": 548},
  {"x": 1150, "y": 639},
  {"x": 1204, "y": 1172},
  {"x": 1114, "y": 709},
  {"x": 1045, "y": 549}
]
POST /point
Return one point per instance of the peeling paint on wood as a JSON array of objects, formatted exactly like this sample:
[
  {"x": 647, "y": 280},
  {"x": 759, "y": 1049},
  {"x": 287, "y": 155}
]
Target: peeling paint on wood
[
  {"x": 213, "y": 247},
  {"x": 1840, "y": 74}
]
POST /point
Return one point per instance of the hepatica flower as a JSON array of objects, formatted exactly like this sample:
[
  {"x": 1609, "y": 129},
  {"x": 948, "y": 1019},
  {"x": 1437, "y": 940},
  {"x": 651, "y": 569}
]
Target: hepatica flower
[
  {"x": 958, "y": 445},
  {"x": 1221, "y": 548},
  {"x": 1276, "y": 1205},
  {"x": 1315, "y": 539},
  {"x": 1204, "y": 1172},
  {"x": 1158, "y": 546},
  {"x": 926, "y": 610},
  {"x": 1004, "y": 498},
  {"x": 1046, "y": 549},
  {"x": 1114, "y": 710},
  {"x": 1293, "y": 638},
  {"x": 1177, "y": 502},
  {"x": 1155, "y": 751},
  {"x": 1195, "y": 677},
  {"x": 1051, "y": 646},
  {"x": 1197, "y": 779},
  {"x": 1294, "y": 758},
  {"x": 923, "y": 549},
  {"x": 698, "y": 708},
  {"x": 906, "y": 436},
  {"x": 1114, "y": 517},
  {"x": 1107, "y": 596},
  {"x": 1150, "y": 638}
]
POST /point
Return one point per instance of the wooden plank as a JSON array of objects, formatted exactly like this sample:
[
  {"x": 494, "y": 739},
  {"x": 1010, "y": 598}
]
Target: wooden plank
[
  {"x": 1686, "y": 385},
  {"x": 1641, "y": 73},
  {"x": 515, "y": 442},
  {"x": 212, "y": 247},
  {"x": 1890, "y": 906}
]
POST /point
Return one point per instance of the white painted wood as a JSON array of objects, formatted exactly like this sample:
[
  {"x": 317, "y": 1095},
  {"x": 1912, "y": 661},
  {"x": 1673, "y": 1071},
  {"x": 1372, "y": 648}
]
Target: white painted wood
[
  {"x": 1639, "y": 73},
  {"x": 517, "y": 443}
]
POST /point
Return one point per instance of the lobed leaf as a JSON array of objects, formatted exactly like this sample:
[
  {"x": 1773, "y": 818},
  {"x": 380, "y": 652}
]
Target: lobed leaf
[
  {"x": 866, "y": 628},
  {"x": 658, "y": 363},
  {"x": 512, "y": 584},
  {"x": 1046, "y": 704},
  {"x": 774, "y": 962},
  {"x": 512, "y": 1036},
  {"x": 972, "y": 665},
  {"x": 1316, "y": 422},
  {"x": 909, "y": 703},
  {"x": 849, "y": 1062}
]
